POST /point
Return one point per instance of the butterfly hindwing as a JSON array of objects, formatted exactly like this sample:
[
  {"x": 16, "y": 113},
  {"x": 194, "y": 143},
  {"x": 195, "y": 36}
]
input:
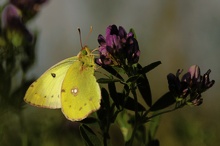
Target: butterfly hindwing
[
  {"x": 45, "y": 91},
  {"x": 80, "y": 92}
]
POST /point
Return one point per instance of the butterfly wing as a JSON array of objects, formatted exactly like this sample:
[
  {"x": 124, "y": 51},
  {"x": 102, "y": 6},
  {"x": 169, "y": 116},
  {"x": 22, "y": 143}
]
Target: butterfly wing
[
  {"x": 80, "y": 92},
  {"x": 45, "y": 91}
]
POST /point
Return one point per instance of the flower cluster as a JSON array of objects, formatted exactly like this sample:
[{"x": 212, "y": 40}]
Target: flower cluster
[
  {"x": 30, "y": 4},
  {"x": 14, "y": 17},
  {"x": 16, "y": 39},
  {"x": 118, "y": 47},
  {"x": 29, "y": 8},
  {"x": 192, "y": 83},
  {"x": 12, "y": 22}
]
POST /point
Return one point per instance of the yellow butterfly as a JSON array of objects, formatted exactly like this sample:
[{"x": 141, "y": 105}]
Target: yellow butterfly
[{"x": 69, "y": 85}]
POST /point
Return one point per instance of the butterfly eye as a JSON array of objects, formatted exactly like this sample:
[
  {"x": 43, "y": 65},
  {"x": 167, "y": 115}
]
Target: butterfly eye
[{"x": 84, "y": 52}]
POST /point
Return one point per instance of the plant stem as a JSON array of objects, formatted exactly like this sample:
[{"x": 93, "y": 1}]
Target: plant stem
[
  {"x": 163, "y": 112},
  {"x": 106, "y": 134},
  {"x": 105, "y": 128},
  {"x": 136, "y": 124},
  {"x": 105, "y": 140}
]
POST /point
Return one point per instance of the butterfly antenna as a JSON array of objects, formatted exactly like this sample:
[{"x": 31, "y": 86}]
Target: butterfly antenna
[
  {"x": 80, "y": 37},
  {"x": 90, "y": 31}
]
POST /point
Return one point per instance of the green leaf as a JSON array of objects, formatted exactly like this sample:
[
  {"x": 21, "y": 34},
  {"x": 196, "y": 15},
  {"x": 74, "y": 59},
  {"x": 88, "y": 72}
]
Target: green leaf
[
  {"x": 149, "y": 67},
  {"x": 126, "y": 128},
  {"x": 133, "y": 78},
  {"x": 126, "y": 90},
  {"x": 104, "y": 111},
  {"x": 144, "y": 87},
  {"x": 105, "y": 98},
  {"x": 15, "y": 37},
  {"x": 113, "y": 93},
  {"x": 107, "y": 80},
  {"x": 128, "y": 102},
  {"x": 141, "y": 134},
  {"x": 163, "y": 102},
  {"x": 122, "y": 99},
  {"x": 153, "y": 126},
  {"x": 89, "y": 136},
  {"x": 112, "y": 71}
]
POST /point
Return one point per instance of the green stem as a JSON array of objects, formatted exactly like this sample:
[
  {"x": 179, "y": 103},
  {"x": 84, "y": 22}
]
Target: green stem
[
  {"x": 106, "y": 133},
  {"x": 105, "y": 129},
  {"x": 163, "y": 112},
  {"x": 105, "y": 141},
  {"x": 130, "y": 142},
  {"x": 136, "y": 124},
  {"x": 167, "y": 111}
]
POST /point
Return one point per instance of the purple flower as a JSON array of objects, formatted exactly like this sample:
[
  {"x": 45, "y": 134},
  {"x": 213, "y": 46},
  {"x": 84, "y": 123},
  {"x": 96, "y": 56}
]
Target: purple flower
[
  {"x": 192, "y": 84},
  {"x": 118, "y": 47},
  {"x": 28, "y": 4},
  {"x": 178, "y": 88},
  {"x": 29, "y": 8},
  {"x": 12, "y": 21},
  {"x": 10, "y": 14},
  {"x": 104, "y": 54}
]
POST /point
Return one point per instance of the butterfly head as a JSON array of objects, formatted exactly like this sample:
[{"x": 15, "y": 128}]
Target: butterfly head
[
  {"x": 86, "y": 57},
  {"x": 85, "y": 51}
]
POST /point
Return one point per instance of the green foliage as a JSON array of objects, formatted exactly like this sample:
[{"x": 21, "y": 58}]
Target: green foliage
[
  {"x": 163, "y": 102},
  {"x": 89, "y": 136}
]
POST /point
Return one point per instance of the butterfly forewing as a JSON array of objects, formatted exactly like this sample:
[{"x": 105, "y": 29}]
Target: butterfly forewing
[{"x": 45, "y": 91}]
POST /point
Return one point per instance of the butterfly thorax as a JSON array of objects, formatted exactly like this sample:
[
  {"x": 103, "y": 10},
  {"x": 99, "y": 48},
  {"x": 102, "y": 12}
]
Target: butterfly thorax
[{"x": 86, "y": 58}]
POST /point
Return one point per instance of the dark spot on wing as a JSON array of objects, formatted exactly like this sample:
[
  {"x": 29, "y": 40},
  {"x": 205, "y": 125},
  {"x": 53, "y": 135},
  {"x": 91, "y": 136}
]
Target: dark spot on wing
[
  {"x": 63, "y": 90},
  {"x": 53, "y": 75},
  {"x": 80, "y": 108},
  {"x": 85, "y": 104}
]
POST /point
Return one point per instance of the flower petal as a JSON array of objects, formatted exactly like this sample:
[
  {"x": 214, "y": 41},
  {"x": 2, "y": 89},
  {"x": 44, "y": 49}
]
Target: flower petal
[
  {"x": 194, "y": 72},
  {"x": 101, "y": 40}
]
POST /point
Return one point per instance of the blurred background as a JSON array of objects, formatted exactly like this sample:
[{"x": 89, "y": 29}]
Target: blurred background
[{"x": 178, "y": 33}]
